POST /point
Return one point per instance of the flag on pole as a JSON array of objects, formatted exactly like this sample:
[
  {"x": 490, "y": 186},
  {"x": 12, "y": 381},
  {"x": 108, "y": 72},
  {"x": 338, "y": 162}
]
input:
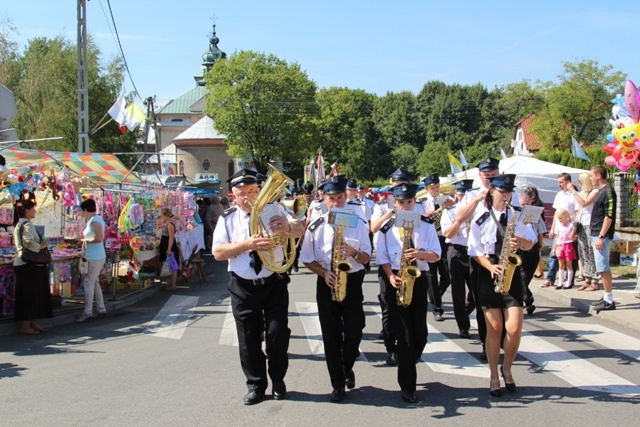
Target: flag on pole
[
  {"x": 577, "y": 150},
  {"x": 320, "y": 175},
  {"x": 463, "y": 161},
  {"x": 135, "y": 116},
  {"x": 119, "y": 114},
  {"x": 455, "y": 164},
  {"x": 504, "y": 155},
  {"x": 334, "y": 170}
]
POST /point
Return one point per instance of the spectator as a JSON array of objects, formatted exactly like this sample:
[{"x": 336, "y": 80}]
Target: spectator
[
  {"x": 168, "y": 245},
  {"x": 207, "y": 222},
  {"x": 585, "y": 251},
  {"x": 32, "y": 294},
  {"x": 531, "y": 258},
  {"x": 93, "y": 239}
]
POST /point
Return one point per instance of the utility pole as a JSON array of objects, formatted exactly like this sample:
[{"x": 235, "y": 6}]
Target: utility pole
[{"x": 83, "y": 81}]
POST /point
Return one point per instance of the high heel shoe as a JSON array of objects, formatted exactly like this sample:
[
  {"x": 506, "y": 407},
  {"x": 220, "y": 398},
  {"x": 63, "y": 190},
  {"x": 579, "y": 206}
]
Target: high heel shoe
[
  {"x": 509, "y": 386},
  {"x": 495, "y": 392}
]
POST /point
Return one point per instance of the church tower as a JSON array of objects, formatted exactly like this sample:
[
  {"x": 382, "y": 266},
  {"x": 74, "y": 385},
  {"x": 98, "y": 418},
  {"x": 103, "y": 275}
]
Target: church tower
[{"x": 209, "y": 57}]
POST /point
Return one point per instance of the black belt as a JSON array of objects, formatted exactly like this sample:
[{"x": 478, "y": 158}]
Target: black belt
[
  {"x": 259, "y": 282},
  {"x": 459, "y": 248}
]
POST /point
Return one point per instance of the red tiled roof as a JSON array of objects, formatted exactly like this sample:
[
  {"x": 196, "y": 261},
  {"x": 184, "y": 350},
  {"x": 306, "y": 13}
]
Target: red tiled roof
[{"x": 531, "y": 141}]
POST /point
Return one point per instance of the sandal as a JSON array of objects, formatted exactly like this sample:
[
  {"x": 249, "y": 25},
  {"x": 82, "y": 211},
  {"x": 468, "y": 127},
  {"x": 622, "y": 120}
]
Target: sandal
[
  {"x": 580, "y": 278},
  {"x": 593, "y": 287},
  {"x": 585, "y": 285}
]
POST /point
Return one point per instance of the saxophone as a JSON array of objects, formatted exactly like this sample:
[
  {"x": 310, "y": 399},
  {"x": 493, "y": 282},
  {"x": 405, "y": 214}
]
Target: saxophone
[
  {"x": 339, "y": 266},
  {"x": 508, "y": 260},
  {"x": 408, "y": 273}
]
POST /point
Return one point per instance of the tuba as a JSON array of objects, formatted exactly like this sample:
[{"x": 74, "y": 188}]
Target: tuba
[
  {"x": 273, "y": 189},
  {"x": 508, "y": 260},
  {"x": 339, "y": 266},
  {"x": 408, "y": 273},
  {"x": 298, "y": 206}
]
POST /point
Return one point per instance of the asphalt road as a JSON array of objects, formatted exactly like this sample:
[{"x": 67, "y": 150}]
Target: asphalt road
[{"x": 171, "y": 360}]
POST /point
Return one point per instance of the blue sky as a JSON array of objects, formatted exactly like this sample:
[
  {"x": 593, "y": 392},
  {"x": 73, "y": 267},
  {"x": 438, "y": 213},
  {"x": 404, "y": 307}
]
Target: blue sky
[{"x": 377, "y": 46}]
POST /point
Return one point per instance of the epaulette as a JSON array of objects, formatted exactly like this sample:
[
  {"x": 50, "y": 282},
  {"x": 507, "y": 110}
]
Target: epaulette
[
  {"x": 318, "y": 206},
  {"x": 229, "y": 211},
  {"x": 483, "y": 218},
  {"x": 428, "y": 220},
  {"x": 387, "y": 225},
  {"x": 421, "y": 200},
  {"x": 316, "y": 223},
  {"x": 355, "y": 202}
]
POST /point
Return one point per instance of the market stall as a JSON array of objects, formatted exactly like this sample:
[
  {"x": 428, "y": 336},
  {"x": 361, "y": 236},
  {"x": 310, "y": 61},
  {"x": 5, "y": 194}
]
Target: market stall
[{"x": 59, "y": 182}]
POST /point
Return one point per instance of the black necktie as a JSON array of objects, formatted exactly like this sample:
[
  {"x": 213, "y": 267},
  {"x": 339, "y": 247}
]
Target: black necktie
[
  {"x": 256, "y": 261},
  {"x": 503, "y": 223}
]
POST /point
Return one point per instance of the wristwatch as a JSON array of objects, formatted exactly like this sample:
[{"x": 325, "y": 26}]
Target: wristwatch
[{"x": 601, "y": 236}]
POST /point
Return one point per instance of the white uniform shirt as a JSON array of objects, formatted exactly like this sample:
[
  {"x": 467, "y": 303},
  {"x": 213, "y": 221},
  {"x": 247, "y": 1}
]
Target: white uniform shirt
[
  {"x": 483, "y": 237},
  {"x": 233, "y": 227},
  {"x": 447, "y": 220},
  {"x": 318, "y": 243},
  {"x": 389, "y": 245},
  {"x": 359, "y": 208},
  {"x": 473, "y": 193},
  {"x": 318, "y": 208}
]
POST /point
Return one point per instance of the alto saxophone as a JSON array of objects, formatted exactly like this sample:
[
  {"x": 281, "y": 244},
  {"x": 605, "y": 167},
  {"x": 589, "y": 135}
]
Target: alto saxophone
[
  {"x": 508, "y": 260},
  {"x": 339, "y": 266},
  {"x": 408, "y": 273}
]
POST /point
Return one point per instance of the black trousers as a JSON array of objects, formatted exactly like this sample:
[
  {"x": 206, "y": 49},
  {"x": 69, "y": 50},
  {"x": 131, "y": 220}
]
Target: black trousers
[
  {"x": 411, "y": 331},
  {"x": 387, "y": 298},
  {"x": 256, "y": 307},
  {"x": 458, "y": 263},
  {"x": 474, "y": 267},
  {"x": 530, "y": 260},
  {"x": 341, "y": 324},
  {"x": 439, "y": 278}
]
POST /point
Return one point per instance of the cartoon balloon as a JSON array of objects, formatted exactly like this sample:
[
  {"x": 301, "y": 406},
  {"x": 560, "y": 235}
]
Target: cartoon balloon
[
  {"x": 632, "y": 100},
  {"x": 628, "y": 136}
]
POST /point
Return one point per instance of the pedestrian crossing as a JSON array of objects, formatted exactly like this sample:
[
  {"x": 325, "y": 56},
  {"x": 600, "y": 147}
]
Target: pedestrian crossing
[{"x": 447, "y": 356}]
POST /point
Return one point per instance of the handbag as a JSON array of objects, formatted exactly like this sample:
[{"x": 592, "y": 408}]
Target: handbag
[
  {"x": 83, "y": 265},
  {"x": 173, "y": 263},
  {"x": 166, "y": 269},
  {"x": 43, "y": 256}
]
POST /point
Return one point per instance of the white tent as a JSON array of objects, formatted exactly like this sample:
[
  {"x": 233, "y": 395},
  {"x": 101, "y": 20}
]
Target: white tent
[{"x": 531, "y": 172}]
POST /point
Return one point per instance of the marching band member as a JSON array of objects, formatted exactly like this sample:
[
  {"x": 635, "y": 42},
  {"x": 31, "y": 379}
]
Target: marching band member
[
  {"x": 381, "y": 214},
  {"x": 486, "y": 247},
  {"x": 410, "y": 321},
  {"x": 259, "y": 297},
  {"x": 341, "y": 322},
  {"x": 471, "y": 204},
  {"x": 456, "y": 234},
  {"x": 438, "y": 270}
]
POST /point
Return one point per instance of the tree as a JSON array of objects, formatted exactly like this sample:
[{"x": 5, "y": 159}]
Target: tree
[
  {"x": 396, "y": 118},
  {"x": 579, "y": 106},
  {"x": 264, "y": 106},
  {"x": 43, "y": 80}
]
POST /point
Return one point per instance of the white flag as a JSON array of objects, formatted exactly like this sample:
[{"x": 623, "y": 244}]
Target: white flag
[
  {"x": 504, "y": 155},
  {"x": 117, "y": 111}
]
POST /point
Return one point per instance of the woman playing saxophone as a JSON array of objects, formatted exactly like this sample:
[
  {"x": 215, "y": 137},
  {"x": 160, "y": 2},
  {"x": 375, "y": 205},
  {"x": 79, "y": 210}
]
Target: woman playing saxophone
[
  {"x": 485, "y": 245},
  {"x": 405, "y": 245}
]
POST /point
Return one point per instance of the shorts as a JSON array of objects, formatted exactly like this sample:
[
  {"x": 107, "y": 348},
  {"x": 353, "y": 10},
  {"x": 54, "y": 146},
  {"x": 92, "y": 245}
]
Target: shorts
[
  {"x": 601, "y": 257},
  {"x": 566, "y": 252}
]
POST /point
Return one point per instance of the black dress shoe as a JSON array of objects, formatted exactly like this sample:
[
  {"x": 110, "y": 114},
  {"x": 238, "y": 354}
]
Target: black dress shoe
[
  {"x": 381, "y": 335},
  {"x": 509, "y": 386},
  {"x": 530, "y": 309},
  {"x": 464, "y": 333},
  {"x": 483, "y": 355},
  {"x": 392, "y": 359},
  {"x": 253, "y": 397},
  {"x": 408, "y": 396},
  {"x": 279, "y": 391},
  {"x": 495, "y": 393},
  {"x": 351, "y": 379},
  {"x": 337, "y": 395}
]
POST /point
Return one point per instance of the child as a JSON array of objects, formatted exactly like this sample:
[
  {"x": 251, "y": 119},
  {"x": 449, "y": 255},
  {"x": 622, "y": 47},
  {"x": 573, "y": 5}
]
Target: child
[{"x": 563, "y": 248}]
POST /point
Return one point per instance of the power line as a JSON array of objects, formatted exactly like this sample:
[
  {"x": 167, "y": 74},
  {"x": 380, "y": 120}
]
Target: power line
[{"x": 126, "y": 66}]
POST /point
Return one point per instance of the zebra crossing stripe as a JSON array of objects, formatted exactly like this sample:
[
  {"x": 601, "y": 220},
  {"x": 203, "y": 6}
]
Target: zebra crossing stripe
[
  {"x": 308, "y": 312},
  {"x": 606, "y": 337},
  {"x": 173, "y": 318},
  {"x": 573, "y": 369},
  {"x": 228, "y": 335}
]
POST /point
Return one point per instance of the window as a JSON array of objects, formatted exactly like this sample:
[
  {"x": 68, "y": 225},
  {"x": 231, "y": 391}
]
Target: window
[
  {"x": 206, "y": 164},
  {"x": 181, "y": 167}
]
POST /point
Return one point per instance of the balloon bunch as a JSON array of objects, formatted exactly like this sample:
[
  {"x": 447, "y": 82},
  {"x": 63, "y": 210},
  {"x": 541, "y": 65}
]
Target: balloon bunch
[{"x": 624, "y": 140}]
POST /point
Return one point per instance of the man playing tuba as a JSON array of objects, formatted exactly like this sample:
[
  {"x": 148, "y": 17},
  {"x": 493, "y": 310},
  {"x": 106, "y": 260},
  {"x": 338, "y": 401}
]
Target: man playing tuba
[
  {"x": 342, "y": 321},
  {"x": 259, "y": 297},
  {"x": 400, "y": 246}
]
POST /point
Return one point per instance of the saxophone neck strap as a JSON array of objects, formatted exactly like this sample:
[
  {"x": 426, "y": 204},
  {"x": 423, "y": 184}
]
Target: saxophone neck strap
[{"x": 500, "y": 226}]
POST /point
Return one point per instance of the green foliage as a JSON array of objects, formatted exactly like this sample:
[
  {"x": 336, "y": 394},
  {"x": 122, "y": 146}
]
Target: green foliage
[
  {"x": 396, "y": 118},
  {"x": 265, "y": 107},
  {"x": 579, "y": 105},
  {"x": 43, "y": 80}
]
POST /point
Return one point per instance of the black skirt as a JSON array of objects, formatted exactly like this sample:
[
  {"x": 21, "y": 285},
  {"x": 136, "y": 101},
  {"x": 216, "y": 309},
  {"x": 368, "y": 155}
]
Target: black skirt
[
  {"x": 487, "y": 296},
  {"x": 162, "y": 249},
  {"x": 33, "y": 295}
]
